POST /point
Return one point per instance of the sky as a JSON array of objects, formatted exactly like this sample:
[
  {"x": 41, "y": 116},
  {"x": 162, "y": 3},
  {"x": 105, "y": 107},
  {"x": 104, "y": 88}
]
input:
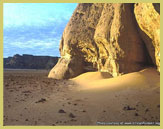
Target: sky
[{"x": 34, "y": 28}]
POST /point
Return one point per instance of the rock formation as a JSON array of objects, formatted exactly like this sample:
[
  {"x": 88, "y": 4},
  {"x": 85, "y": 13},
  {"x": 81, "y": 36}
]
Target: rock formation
[
  {"x": 148, "y": 18},
  {"x": 108, "y": 38},
  {"x": 30, "y": 62}
]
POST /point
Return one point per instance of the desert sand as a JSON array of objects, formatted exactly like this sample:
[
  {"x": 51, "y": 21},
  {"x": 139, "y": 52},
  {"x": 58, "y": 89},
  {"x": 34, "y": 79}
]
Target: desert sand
[{"x": 92, "y": 98}]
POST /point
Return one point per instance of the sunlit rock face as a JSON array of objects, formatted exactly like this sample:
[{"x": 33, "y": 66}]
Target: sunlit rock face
[
  {"x": 148, "y": 19},
  {"x": 103, "y": 37},
  {"x": 66, "y": 68}
]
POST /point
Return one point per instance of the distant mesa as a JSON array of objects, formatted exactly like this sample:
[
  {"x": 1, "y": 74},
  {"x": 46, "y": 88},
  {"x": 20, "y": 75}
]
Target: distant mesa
[{"x": 30, "y": 62}]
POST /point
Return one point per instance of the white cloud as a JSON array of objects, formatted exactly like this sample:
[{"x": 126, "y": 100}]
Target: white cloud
[
  {"x": 19, "y": 14},
  {"x": 45, "y": 44}
]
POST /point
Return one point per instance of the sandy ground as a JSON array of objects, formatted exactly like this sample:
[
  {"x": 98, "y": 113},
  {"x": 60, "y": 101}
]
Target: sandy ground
[{"x": 94, "y": 98}]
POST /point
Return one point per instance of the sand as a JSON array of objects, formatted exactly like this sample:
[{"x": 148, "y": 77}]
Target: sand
[{"x": 93, "y": 98}]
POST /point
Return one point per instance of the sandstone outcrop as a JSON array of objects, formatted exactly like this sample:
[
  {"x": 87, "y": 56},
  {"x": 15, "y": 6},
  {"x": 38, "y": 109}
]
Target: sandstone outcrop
[
  {"x": 67, "y": 66},
  {"x": 30, "y": 62},
  {"x": 104, "y": 37},
  {"x": 148, "y": 18}
]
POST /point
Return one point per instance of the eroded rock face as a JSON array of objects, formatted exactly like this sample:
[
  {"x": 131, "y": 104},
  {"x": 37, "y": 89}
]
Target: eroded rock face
[
  {"x": 66, "y": 68},
  {"x": 78, "y": 41},
  {"x": 104, "y": 37},
  {"x": 121, "y": 50},
  {"x": 148, "y": 18}
]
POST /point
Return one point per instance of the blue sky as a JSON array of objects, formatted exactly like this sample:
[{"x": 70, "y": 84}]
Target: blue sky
[{"x": 34, "y": 28}]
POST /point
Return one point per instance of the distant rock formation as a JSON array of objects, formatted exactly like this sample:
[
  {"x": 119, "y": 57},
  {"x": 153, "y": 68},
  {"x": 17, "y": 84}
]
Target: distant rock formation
[
  {"x": 30, "y": 62},
  {"x": 113, "y": 38}
]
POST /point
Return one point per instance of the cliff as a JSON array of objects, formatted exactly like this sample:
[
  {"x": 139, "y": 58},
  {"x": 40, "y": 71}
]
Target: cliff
[
  {"x": 113, "y": 38},
  {"x": 30, "y": 62}
]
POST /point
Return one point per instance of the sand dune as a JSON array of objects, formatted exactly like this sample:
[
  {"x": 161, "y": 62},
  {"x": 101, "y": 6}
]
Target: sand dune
[
  {"x": 147, "y": 78},
  {"x": 91, "y": 76}
]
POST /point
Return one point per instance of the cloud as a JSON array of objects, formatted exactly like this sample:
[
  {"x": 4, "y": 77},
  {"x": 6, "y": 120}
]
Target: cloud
[
  {"x": 34, "y": 28},
  {"x": 29, "y": 14},
  {"x": 33, "y": 40},
  {"x": 42, "y": 44}
]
